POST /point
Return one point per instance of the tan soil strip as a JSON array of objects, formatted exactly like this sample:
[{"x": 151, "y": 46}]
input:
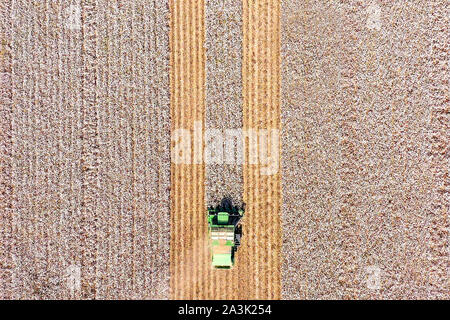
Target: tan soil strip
[{"x": 188, "y": 258}]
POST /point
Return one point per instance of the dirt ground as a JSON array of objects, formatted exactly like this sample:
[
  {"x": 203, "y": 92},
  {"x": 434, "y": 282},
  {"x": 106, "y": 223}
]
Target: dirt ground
[
  {"x": 256, "y": 274},
  {"x": 93, "y": 207}
]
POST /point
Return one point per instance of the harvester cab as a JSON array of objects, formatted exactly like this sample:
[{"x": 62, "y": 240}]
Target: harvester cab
[{"x": 225, "y": 233}]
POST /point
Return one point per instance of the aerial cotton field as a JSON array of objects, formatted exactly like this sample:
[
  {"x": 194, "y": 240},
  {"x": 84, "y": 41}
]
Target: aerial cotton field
[{"x": 121, "y": 122}]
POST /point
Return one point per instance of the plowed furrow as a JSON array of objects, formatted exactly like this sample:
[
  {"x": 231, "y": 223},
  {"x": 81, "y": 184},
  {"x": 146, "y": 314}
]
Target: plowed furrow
[{"x": 187, "y": 106}]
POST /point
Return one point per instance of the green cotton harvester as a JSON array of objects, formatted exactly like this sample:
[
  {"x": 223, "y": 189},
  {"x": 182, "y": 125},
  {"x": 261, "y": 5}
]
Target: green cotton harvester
[{"x": 225, "y": 232}]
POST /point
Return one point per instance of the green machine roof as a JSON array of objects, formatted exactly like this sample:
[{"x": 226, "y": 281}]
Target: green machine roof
[
  {"x": 222, "y": 260},
  {"x": 222, "y": 218}
]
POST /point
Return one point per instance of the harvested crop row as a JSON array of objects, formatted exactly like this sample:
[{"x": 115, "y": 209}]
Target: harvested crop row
[
  {"x": 224, "y": 96},
  {"x": 363, "y": 143},
  {"x": 189, "y": 269}
]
